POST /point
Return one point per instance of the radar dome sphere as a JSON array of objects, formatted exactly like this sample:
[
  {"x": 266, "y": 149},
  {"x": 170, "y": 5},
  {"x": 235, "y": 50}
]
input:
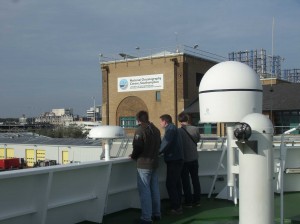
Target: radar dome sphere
[{"x": 229, "y": 91}]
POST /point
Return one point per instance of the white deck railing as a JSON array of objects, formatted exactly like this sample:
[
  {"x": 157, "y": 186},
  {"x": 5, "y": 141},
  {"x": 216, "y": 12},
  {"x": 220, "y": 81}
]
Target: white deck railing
[
  {"x": 56, "y": 194},
  {"x": 68, "y": 194}
]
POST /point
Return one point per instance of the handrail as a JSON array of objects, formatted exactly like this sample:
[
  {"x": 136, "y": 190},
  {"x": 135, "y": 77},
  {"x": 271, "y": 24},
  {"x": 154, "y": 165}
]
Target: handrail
[{"x": 211, "y": 143}]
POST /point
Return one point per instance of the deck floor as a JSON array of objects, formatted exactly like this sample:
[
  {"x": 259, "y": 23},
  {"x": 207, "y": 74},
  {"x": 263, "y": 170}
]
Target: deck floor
[{"x": 211, "y": 211}]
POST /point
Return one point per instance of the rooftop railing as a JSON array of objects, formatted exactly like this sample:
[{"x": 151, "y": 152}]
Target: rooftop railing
[{"x": 139, "y": 54}]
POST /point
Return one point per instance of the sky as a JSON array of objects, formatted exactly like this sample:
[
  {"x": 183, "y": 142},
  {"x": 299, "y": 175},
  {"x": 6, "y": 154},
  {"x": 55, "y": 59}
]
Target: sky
[{"x": 49, "y": 49}]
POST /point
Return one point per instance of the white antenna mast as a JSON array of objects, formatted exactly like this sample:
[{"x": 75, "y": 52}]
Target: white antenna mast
[
  {"x": 272, "y": 67},
  {"x": 177, "y": 47},
  {"x": 272, "y": 57}
]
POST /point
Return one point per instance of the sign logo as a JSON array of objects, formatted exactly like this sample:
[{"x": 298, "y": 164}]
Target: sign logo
[
  {"x": 141, "y": 83},
  {"x": 123, "y": 84}
]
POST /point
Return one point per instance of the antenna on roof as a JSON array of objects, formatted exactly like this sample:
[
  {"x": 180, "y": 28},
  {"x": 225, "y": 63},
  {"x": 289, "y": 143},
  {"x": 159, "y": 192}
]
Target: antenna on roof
[
  {"x": 272, "y": 72},
  {"x": 272, "y": 49},
  {"x": 177, "y": 48}
]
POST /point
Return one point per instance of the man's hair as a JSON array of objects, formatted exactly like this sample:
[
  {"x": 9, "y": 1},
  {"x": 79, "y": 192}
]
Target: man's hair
[
  {"x": 142, "y": 116},
  {"x": 183, "y": 117},
  {"x": 166, "y": 117}
]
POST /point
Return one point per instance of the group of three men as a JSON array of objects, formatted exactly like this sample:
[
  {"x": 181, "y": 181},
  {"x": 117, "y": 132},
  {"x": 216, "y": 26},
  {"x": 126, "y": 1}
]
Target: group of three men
[{"x": 179, "y": 148}]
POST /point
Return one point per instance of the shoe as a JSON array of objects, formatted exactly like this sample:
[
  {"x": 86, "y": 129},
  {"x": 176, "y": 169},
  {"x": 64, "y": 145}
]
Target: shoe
[
  {"x": 141, "y": 221},
  {"x": 156, "y": 218},
  {"x": 188, "y": 205},
  {"x": 197, "y": 204},
  {"x": 175, "y": 211}
]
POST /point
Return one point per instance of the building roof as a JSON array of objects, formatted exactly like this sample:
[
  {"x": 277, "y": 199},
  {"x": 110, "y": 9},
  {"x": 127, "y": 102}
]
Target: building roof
[
  {"x": 160, "y": 52},
  {"x": 29, "y": 138},
  {"x": 282, "y": 96}
]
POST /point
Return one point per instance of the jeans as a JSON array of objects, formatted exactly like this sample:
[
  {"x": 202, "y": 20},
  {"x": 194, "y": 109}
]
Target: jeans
[
  {"x": 173, "y": 183},
  {"x": 147, "y": 181},
  {"x": 191, "y": 169}
]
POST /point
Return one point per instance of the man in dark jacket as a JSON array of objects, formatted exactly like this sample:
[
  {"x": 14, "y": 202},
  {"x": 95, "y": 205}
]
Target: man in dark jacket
[
  {"x": 190, "y": 137},
  {"x": 171, "y": 147},
  {"x": 146, "y": 145}
]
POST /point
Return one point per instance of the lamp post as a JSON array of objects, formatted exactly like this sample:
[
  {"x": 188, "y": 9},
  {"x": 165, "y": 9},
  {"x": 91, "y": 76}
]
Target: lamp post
[{"x": 138, "y": 55}]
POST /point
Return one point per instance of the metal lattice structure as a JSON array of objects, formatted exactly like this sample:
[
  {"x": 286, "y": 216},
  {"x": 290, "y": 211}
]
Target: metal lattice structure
[
  {"x": 264, "y": 65},
  {"x": 267, "y": 66},
  {"x": 256, "y": 59},
  {"x": 291, "y": 75}
]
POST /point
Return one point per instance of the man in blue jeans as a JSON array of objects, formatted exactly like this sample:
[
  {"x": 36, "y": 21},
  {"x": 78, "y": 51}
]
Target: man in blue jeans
[
  {"x": 146, "y": 145},
  {"x": 172, "y": 149}
]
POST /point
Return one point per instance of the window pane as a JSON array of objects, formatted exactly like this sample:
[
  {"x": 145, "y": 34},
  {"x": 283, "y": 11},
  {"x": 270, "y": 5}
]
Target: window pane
[
  {"x": 128, "y": 122},
  {"x": 157, "y": 95}
]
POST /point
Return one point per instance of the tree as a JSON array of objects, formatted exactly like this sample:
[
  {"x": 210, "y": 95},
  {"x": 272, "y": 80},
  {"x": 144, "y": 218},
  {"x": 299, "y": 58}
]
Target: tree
[{"x": 63, "y": 132}]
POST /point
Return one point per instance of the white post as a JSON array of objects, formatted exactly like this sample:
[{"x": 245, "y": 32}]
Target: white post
[
  {"x": 58, "y": 161},
  {"x": 230, "y": 192},
  {"x": 107, "y": 146},
  {"x": 256, "y": 173},
  {"x": 230, "y": 159},
  {"x": 282, "y": 165}
]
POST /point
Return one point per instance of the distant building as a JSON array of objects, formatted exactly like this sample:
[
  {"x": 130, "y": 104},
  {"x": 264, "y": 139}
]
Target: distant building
[
  {"x": 94, "y": 114},
  {"x": 168, "y": 83},
  {"x": 23, "y": 120},
  {"x": 281, "y": 103},
  {"x": 56, "y": 117},
  {"x": 62, "y": 112},
  {"x": 162, "y": 83}
]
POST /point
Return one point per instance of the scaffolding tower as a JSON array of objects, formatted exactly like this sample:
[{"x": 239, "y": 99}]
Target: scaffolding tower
[
  {"x": 291, "y": 75},
  {"x": 274, "y": 66},
  {"x": 265, "y": 66}
]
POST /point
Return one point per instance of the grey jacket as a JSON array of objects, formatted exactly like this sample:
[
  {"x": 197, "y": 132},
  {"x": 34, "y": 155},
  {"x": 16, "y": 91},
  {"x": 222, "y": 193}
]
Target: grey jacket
[{"x": 189, "y": 145}]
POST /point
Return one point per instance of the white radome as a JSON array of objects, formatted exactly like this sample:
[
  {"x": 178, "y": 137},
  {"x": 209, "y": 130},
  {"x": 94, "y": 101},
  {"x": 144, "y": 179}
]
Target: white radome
[
  {"x": 228, "y": 92},
  {"x": 107, "y": 132}
]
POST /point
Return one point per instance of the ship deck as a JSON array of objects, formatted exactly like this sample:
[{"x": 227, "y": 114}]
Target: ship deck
[{"x": 211, "y": 211}]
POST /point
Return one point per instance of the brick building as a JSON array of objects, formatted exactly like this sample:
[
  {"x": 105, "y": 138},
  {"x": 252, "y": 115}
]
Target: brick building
[{"x": 165, "y": 83}]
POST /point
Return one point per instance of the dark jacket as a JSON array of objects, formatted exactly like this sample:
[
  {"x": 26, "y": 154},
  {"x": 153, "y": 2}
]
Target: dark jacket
[
  {"x": 190, "y": 137},
  {"x": 171, "y": 145},
  {"x": 146, "y": 143}
]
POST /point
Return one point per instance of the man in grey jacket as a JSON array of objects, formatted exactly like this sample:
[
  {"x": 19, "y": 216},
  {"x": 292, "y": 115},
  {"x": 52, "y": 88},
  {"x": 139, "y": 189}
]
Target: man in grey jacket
[{"x": 190, "y": 137}]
